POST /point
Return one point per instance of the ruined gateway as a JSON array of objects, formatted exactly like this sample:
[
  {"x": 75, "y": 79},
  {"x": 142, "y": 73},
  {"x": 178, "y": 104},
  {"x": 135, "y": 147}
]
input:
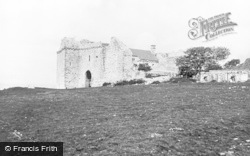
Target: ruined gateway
[{"x": 90, "y": 64}]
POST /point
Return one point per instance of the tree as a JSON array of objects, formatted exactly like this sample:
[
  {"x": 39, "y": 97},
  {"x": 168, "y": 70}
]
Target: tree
[
  {"x": 232, "y": 63},
  {"x": 213, "y": 67},
  {"x": 144, "y": 67},
  {"x": 186, "y": 72},
  {"x": 198, "y": 59}
]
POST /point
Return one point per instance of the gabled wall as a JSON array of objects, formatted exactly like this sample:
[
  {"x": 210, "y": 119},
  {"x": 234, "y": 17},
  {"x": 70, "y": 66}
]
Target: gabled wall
[{"x": 119, "y": 65}]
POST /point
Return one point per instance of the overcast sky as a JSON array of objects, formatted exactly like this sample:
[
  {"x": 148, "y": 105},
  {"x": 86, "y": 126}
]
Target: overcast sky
[{"x": 31, "y": 30}]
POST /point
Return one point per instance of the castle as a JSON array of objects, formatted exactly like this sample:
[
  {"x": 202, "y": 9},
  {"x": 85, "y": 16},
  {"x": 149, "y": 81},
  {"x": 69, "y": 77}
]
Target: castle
[{"x": 90, "y": 64}]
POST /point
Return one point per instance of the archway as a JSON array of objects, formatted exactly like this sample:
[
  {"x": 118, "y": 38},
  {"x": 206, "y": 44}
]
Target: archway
[
  {"x": 88, "y": 79},
  {"x": 233, "y": 78},
  {"x": 205, "y": 78}
]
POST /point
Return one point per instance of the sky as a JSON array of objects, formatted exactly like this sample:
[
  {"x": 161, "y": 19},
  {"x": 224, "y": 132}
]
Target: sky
[{"x": 31, "y": 31}]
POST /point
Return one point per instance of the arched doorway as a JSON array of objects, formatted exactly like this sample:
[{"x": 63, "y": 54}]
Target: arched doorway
[
  {"x": 88, "y": 79},
  {"x": 232, "y": 78}
]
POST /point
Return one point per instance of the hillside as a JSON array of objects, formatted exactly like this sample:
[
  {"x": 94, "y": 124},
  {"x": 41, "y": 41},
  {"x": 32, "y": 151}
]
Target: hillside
[{"x": 182, "y": 119}]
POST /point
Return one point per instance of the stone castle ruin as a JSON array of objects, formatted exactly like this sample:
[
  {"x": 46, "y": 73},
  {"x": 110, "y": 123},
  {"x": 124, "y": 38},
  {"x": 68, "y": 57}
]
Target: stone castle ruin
[{"x": 90, "y": 64}]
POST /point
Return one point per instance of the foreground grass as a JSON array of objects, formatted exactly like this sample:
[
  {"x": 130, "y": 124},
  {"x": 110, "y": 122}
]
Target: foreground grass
[{"x": 165, "y": 119}]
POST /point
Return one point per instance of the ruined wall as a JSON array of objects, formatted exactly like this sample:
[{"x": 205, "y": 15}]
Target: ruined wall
[
  {"x": 60, "y": 70},
  {"x": 91, "y": 60},
  {"x": 118, "y": 62},
  {"x": 166, "y": 66},
  {"x": 225, "y": 76},
  {"x": 106, "y": 63},
  {"x": 72, "y": 61},
  {"x": 126, "y": 64},
  {"x": 171, "y": 65},
  {"x": 86, "y": 56}
]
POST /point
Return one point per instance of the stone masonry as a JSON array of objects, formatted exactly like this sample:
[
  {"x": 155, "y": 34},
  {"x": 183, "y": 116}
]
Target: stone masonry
[
  {"x": 90, "y": 64},
  {"x": 225, "y": 76}
]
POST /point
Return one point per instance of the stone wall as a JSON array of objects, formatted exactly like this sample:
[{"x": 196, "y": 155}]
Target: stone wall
[
  {"x": 118, "y": 62},
  {"x": 105, "y": 63},
  {"x": 71, "y": 68},
  {"x": 91, "y": 60},
  {"x": 225, "y": 76},
  {"x": 60, "y": 70},
  {"x": 166, "y": 66}
]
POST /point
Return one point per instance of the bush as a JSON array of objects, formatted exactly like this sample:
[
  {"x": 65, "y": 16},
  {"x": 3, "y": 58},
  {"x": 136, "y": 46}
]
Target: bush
[
  {"x": 121, "y": 83},
  {"x": 149, "y": 76},
  {"x": 186, "y": 72},
  {"x": 152, "y": 75},
  {"x": 138, "y": 81},
  {"x": 144, "y": 67},
  {"x": 165, "y": 82},
  {"x": 131, "y": 82},
  {"x": 155, "y": 82},
  {"x": 106, "y": 84},
  {"x": 213, "y": 81}
]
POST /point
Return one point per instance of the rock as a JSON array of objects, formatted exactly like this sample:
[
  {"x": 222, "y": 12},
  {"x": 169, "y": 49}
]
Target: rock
[{"x": 155, "y": 135}]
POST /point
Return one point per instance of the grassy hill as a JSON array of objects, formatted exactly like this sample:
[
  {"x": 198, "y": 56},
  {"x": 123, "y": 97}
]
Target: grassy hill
[{"x": 181, "y": 119}]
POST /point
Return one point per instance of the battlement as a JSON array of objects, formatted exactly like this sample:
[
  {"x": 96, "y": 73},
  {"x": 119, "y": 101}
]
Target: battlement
[{"x": 72, "y": 44}]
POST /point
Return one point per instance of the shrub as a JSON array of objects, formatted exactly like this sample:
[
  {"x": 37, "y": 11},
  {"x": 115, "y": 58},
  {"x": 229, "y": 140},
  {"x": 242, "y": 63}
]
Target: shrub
[
  {"x": 152, "y": 75},
  {"x": 149, "y": 76},
  {"x": 144, "y": 67},
  {"x": 136, "y": 81},
  {"x": 155, "y": 82},
  {"x": 213, "y": 81},
  {"x": 121, "y": 83},
  {"x": 165, "y": 82},
  {"x": 131, "y": 82},
  {"x": 106, "y": 84}
]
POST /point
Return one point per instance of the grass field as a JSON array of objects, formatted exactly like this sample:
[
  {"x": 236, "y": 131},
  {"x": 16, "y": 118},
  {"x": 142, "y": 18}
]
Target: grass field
[{"x": 184, "y": 119}]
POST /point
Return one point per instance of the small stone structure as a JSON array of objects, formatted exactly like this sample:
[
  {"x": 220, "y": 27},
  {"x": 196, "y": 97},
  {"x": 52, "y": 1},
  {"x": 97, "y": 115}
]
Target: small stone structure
[
  {"x": 90, "y": 64},
  {"x": 225, "y": 76},
  {"x": 240, "y": 73}
]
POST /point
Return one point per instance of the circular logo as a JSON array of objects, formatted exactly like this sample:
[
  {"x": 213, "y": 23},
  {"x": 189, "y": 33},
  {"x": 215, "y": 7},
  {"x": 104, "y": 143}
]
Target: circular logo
[{"x": 7, "y": 148}]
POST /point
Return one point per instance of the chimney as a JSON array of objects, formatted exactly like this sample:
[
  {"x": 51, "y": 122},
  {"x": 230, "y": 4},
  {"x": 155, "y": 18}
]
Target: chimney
[{"x": 152, "y": 48}]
